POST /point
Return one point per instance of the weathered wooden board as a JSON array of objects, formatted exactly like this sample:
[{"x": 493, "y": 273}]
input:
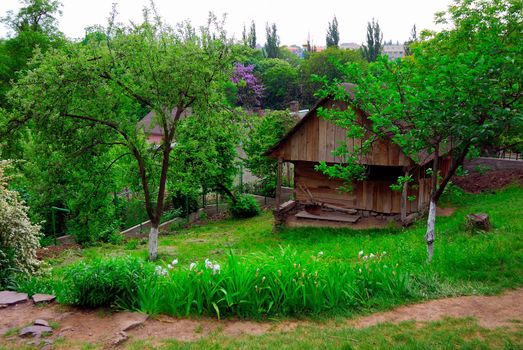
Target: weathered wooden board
[{"x": 329, "y": 217}]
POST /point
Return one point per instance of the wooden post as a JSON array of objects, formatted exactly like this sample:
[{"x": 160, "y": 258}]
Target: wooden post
[
  {"x": 278, "y": 183},
  {"x": 403, "y": 204}
]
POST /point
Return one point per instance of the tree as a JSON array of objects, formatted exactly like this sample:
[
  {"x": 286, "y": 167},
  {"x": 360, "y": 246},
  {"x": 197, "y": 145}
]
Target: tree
[
  {"x": 103, "y": 87},
  {"x": 413, "y": 38},
  {"x": 19, "y": 238},
  {"x": 374, "y": 41},
  {"x": 280, "y": 82},
  {"x": 252, "y": 36},
  {"x": 272, "y": 45},
  {"x": 205, "y": 154},
  {"x": 333, "y": 36},
  {"x": 264, "y": 133},
  {"x": 35, "y": 16},
  {"x": 34, "y": 26},
  {"x": 249, "y": 89},
  {"x": 326, "y": 63},
  {"x": 460, "y": 89}
]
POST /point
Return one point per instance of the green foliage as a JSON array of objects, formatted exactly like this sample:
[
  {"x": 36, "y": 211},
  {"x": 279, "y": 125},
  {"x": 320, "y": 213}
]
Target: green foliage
[
  {"x": 205, "y": 153},
  {"x": 374, "y": 46},
  {"x": 107, "y": 282},
  {"x": 19, "y": 238},
  {"x": 328, "y": 64},
  {"x": 245, "y": 206},
  {"x": 272, "y": 45},
  {"x": 265, "y": 132},
  {"x": 280, "y": 82},
  {"x": 333, "y": 35}
]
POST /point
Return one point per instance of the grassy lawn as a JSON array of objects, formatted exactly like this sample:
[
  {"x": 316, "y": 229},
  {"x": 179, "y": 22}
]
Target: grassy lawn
[
  {"x": 465, "y": 262},
  {"x": 445, "y": 334}
]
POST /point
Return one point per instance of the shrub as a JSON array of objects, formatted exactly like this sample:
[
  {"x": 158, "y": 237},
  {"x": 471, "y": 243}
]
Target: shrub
[
  {"x": 246, "y": 206},
  {"x": 107, "y": 282},
  {"x": 19, "y": 238}
]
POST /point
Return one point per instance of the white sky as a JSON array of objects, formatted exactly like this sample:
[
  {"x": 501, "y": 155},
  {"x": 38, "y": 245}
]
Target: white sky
[{"x": 293, "y": 18}]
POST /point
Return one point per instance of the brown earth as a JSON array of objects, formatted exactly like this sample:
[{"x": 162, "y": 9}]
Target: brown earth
[
  {"x": 490, "y": 311},
  {"x": 490, "y": 180},
  {"x": 78, "y": 326}
]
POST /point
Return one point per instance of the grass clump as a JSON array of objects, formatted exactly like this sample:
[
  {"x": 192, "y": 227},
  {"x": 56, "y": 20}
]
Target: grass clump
[{"x": 101, "y": 282}]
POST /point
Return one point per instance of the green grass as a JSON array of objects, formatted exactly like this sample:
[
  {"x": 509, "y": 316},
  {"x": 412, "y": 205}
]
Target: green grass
[
  {"x": 466, "y": 262},
  {"x": 444, "y": 334}
]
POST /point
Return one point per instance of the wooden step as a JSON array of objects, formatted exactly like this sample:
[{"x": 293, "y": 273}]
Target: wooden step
[{"x": 329, "y": 216}]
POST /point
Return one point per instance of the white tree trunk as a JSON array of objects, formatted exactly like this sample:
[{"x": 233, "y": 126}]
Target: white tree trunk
[
  {"x": 431, "y": 225},
  {"x": 153, "y": 243}
]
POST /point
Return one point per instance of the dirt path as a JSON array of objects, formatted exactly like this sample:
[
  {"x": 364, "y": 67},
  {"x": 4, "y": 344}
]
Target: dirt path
[
  {"x": 489, "y": 311},
  {"x": 78, "y": 327}
]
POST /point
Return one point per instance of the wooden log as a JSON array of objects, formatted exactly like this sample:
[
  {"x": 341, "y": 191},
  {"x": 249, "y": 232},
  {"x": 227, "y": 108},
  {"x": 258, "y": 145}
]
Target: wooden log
[
  {"x": 479, "y": 221},
  {"x": 278, "y": 184}
]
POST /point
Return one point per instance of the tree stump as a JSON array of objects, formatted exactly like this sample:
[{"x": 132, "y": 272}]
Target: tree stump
[{"x": 479, "y": 221}]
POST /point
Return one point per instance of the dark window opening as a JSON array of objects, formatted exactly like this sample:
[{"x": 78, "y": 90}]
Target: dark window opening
[{"x": 384, "y": 173}]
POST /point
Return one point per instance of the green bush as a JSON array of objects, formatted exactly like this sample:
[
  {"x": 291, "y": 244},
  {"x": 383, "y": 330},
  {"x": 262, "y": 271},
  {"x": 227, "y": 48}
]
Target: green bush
[
  {"x": 246, "y": 206},
  {"x": 107, "y": 282}
]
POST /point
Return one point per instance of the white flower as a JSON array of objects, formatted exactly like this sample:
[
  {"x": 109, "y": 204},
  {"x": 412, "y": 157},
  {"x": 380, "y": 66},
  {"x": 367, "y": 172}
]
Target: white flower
[
  {"x": 384, "y": 253},
  {"x": 320, "y": 254},
  {"x": 175, "y": 262},
  {"x": 365, "y": 258},
  {"x": 372, "y": 256},
  {"x": 360, "y": 253},
  {"x": 160, "y": 271},
  {"x": 215, "y": 269},
  {"x": 208, "y": 264},
  {"x": 169, "y": 266},
  {"x": 192, "y": 266}
]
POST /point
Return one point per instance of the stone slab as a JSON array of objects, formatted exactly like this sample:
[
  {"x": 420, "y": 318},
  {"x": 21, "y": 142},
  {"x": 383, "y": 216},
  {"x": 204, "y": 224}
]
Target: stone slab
[
  {"x": 35, "y": 331},
  {"x": 40, "y": 322},
  {"x": 11, "y": 298},
  {"x": 43, "y": 298}
]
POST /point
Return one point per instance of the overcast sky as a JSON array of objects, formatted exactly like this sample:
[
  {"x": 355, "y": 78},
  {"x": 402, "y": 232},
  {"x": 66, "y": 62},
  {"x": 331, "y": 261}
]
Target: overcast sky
[{"x": 294, "y": 18}]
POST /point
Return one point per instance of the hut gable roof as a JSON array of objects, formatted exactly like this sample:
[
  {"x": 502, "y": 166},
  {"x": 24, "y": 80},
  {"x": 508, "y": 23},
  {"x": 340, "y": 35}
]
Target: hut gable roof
[{"x": 315, "y": 139}]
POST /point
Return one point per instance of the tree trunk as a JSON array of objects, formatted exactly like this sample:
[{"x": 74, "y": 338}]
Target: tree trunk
[
  {"x": 431, "y": 228},
  {"x": 404, "y": 198},
  {"x": 153, "y": 242}
]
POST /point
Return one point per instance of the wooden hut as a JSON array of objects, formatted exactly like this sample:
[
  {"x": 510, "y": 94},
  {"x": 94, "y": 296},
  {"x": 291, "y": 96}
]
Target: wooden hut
[{"x": 314, "y": 139}]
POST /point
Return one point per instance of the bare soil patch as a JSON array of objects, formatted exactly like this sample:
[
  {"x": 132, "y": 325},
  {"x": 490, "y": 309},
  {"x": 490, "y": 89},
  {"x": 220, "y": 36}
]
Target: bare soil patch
[
  {"x": 101, "y": 326},
  {"x": 490, "y": 180},
  {"x": 490, "y": 311}
]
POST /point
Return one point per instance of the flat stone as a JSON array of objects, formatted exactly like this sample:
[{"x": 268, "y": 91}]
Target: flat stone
[
  {"x": 133, "y": 320},
  {"x": 41, "y": 322},
  {"x": 119, "y": 338},
  {"x": 43, "y": 298},
  {"x": 35, "y": 331},
  {"x": 11, "y": 298}
]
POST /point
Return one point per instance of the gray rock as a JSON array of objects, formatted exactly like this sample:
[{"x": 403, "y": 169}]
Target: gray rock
[
  {"x": 119, "y": 338},
  {"x": 35, "y": 331},
  {"x": 43, "y": 298},
  {"x": 11, "y": 298},
  {"x": 41, "y": 322},
  {"x": 136, "y": 319}
]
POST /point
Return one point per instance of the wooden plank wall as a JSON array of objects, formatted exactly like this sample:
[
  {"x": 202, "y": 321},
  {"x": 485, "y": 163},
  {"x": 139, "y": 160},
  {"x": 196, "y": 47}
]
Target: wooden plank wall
[
  {"x": 366, "y": 195},
  {"x": 317, "y": 138}
]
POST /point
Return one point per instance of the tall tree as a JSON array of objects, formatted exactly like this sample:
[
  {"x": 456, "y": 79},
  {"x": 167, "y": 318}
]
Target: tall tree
[
  {"x": 412, "y": 39},
  {"x": 333, "y": 36},
  {"x": 272, "y": 45},
  {"x": 454, "y": 94},
  {"x": 102, "y": 86},
  {"x": 252, "y": 35},
  {"x": 374, "y": 45},
  {"x": 34, "y": 25}
]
